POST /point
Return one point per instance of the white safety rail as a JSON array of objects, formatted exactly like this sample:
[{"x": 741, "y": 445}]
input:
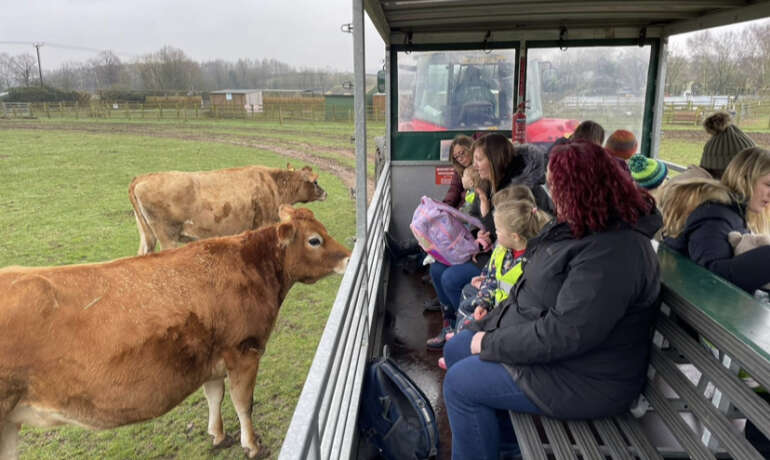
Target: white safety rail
[{"x": 324, "y": 422}]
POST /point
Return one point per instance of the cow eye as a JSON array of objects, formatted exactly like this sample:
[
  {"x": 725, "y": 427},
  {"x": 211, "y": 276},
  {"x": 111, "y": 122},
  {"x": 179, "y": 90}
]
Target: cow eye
[
  {"x": 315, "y": 182},
  {"x": 314, "y": 241}
]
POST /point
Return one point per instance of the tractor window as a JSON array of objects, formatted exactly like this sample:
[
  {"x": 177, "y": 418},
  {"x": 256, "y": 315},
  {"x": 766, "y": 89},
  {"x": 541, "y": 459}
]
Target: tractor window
[
  {"x": 455, "y": 90},
  {"x": 603, "y": 84}
]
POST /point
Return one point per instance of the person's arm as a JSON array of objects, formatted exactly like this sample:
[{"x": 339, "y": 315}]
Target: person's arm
[
  {"x": 454, "y": 196},
  {"x": 708, "y": 246},
  {"x": 595, "y": 295}
]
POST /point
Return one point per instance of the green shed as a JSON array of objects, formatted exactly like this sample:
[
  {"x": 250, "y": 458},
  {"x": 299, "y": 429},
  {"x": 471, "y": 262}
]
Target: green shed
[{"x": 338, "y": 107}]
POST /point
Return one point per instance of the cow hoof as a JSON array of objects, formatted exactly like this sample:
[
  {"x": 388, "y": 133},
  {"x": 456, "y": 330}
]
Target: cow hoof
[
  {"x": 251, "y": 452},
  {"x": 218, "y": 438}
]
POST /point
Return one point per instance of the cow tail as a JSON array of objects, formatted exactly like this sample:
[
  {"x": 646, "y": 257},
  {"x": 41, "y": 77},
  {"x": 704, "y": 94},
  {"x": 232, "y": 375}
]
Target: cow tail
[{"x": 147, "y": 238}]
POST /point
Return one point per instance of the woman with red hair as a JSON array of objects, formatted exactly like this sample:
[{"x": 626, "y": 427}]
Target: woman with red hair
[{"x": 572, "y": 339}]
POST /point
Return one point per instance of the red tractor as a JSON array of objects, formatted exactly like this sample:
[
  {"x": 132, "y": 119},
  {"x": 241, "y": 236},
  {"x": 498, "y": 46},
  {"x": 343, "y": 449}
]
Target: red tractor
[{"x": 460, "y": 90}]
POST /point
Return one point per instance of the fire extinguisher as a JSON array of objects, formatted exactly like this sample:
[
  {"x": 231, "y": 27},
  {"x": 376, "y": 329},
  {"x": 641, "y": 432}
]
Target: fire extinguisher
[{"x": 519, "y": 128}]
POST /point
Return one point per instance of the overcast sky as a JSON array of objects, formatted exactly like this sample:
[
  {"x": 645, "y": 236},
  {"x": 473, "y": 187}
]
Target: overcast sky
[{"x": 298, "y": 32}]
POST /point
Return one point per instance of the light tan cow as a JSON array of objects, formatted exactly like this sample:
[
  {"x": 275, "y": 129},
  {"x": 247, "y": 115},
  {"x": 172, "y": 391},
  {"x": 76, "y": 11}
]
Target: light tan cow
[
  {"x": 173, "y": 208},
  {"x": 104, "y": 345}
]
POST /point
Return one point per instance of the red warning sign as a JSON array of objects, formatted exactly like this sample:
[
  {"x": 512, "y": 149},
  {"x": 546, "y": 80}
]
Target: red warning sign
[{"x": 444, "y": 175}]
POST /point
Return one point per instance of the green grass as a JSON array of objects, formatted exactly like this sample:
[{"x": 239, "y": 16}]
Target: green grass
[
  {"x": 64, "y": 200},
  {"x": 680, "y": 151}
]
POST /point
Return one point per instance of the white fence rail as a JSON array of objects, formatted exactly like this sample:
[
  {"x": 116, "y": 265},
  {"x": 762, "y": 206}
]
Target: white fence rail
[{"x": 324, "y": 422}]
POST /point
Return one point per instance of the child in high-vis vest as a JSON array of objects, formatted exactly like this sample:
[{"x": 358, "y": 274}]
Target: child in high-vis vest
[
  {"x": 471, "y": 181},
  {"x": 516, "y": 222}
]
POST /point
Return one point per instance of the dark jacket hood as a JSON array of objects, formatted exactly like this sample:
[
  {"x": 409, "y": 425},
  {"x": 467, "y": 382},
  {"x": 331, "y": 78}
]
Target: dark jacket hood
[{"x": 533, "y": 173}]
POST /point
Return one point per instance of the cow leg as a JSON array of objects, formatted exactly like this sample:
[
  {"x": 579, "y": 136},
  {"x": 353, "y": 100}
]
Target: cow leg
[
  {"x": 9, "y": 439},
  {"x": 215, "y": 392},
  {"x": 242, "y": 382}
]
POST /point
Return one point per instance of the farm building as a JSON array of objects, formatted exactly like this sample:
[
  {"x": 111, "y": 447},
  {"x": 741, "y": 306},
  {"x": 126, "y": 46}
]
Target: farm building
[{"x": 249, "y": 99}]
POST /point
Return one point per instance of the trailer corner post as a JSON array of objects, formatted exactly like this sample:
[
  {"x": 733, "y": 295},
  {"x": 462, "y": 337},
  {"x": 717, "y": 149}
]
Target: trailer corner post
[
  {"x": 660, "y": 86},
  {"x": 359, "y": 101}
]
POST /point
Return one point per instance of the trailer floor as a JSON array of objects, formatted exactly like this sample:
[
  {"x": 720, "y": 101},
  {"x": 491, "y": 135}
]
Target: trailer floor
[{"x": 407, "y": 327}]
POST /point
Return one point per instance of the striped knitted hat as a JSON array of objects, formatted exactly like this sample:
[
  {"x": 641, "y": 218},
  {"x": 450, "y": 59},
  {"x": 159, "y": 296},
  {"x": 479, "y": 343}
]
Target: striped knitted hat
[
  {"x": 621, "y": 144},
  {"x": 726, "y": 141},
  {"x": 647, "y": 172}
]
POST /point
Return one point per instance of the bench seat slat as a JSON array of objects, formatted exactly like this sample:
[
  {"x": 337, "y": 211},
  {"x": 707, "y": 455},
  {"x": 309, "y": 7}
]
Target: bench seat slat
[
  {"x": 612, "y": 438},
  {"x": 633, "y": 432},
  {"x": 706, "y": 412},
  {"x": 754, "y": 407},
  {"x": 585, "y": 439},
  {"x": 559, "y": 440},
  {"x": 676, "y": 424},
  {"x": 527, "y": 436}
]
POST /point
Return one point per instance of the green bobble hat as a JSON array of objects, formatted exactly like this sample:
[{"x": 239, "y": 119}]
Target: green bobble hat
[
  {"x": 726, "y": 141},
  {"x": 647, "y": 172}
]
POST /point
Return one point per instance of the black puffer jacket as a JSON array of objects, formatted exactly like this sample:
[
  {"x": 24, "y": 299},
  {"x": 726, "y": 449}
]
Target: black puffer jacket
[
  {"x": 704, "y": 240},
  {"x": 575, "y": 332}
]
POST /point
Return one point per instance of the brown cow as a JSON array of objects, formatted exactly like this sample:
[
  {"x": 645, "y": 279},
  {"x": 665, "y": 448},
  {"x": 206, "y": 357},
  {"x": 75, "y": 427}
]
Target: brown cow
[
  {"x": 104, "y": 345},
  {"x": 175, "y": 207}
]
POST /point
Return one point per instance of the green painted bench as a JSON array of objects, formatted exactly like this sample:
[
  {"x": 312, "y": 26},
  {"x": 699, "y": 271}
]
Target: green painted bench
[{"x": 693, "y": 395}]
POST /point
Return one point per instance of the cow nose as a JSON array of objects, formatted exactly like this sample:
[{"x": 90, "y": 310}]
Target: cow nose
[
  {"x": 323, "y": 195},
  {"x": 340, "y": 268}
]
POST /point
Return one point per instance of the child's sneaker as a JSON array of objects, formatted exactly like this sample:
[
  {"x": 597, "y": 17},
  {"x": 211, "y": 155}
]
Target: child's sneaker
[{"x": 437, "y": 343}]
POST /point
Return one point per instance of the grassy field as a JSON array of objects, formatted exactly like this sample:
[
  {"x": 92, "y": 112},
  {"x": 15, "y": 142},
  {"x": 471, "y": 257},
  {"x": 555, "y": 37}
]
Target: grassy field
[{"x": 64, "y": 200}]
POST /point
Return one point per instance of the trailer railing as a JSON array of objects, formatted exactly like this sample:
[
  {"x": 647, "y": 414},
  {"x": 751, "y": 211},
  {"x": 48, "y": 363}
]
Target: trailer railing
[{"x": 324, "y": 422}]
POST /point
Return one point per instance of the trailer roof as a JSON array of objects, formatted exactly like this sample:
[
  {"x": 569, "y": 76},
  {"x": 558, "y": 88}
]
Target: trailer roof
[{"x": 456, "y": 21}]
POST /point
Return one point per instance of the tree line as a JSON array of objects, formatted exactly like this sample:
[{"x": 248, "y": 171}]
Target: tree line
[{"x": 169, "y": 70}]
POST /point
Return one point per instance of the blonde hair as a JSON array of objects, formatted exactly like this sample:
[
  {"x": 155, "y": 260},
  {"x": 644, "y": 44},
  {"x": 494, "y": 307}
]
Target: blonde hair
[
  {"x": 521, "y": 217},
  {"x": 512, "y": 193},
  {"x": 741, "y": 176},
  {"x": 679, "y": 199},
  {"x": 474, "y": 176}
]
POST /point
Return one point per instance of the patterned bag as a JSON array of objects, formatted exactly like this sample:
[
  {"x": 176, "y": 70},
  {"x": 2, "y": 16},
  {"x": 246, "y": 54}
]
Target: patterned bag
[{"x": 441, "y": 232}]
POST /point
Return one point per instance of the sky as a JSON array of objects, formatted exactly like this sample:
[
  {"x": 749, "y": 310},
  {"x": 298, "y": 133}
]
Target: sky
[{"x": 302, "y": 33}]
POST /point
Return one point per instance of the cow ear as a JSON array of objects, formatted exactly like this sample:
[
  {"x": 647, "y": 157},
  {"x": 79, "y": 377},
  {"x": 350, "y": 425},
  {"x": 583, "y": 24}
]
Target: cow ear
[
  {"x": 289, "y": 167},
  {"x": 308, "y": 169},
  {"x": 286, "y": 232},
  {"x": 285, "y": 212}
]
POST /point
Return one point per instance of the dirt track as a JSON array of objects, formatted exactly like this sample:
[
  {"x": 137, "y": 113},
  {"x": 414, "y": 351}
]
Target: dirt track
[{"x": 291, "y": 149}]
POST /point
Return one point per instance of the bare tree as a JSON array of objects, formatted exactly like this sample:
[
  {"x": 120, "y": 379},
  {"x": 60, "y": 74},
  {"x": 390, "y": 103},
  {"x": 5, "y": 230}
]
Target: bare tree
[
  {"x": 24, "y": 68},
  {"x": 107, "y": 69}
]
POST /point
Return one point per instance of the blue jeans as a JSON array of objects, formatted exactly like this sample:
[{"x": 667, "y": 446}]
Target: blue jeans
[
  {"x": 449, "y": 282},
  {"x": 478, "y": 395}
]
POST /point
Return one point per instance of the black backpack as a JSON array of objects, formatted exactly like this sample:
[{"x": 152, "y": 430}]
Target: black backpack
[{"x": 395, "y": 415}]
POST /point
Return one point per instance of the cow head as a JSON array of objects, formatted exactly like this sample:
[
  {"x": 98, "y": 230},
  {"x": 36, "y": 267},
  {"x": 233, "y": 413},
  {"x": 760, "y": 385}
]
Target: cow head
[
  {"x": 311, "y": 253},
  {"x": 308, "y": 189}
]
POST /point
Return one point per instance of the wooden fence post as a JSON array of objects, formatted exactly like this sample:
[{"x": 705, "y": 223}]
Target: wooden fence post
[
  {"x": 160, "y": 111},
  {"x": 280, "y": 115},
  {"x": 45, "y": 107}
]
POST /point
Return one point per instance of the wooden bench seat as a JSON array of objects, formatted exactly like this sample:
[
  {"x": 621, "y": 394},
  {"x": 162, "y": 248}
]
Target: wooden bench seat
[{"x": 693, "y": 384}]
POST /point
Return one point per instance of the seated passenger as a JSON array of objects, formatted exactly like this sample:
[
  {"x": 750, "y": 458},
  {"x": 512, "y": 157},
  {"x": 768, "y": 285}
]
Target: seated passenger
[
  {"x": 622, "y": 145},
  {"x": 590, "y": 131},
  {"x": 698, "y": 214},
  {"x": 516, "y": 222},
  {"x": 500, "y": 164},
  {"x": 648, "y": 173},
  {"x": 726, "y": 141},
  {"x": 473, "y": 99},
  {"x": 572, "y": 339},
  {"x": 461, "y": 156}
]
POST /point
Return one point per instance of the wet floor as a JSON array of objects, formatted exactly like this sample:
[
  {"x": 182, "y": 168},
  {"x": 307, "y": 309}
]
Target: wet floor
[{"x": 407, "y": 327}]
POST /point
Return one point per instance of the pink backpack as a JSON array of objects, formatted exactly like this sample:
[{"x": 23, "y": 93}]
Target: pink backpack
[{"x": 440, "y": 231}]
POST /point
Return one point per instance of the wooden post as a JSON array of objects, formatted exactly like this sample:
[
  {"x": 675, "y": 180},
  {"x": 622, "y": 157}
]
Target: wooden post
[
  {"x": 280, "y": 115},
  {"x": 77, "y": 110},
  {"x": 160, "y": 111},
  {"x": 45, "y": 107},
  {"x": 61, "y": 109}
]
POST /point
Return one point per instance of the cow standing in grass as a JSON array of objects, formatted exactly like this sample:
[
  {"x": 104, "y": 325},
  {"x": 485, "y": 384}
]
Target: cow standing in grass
[
  {"x": 104, "y": 345},
  {"x": 173, "y": 208}
]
